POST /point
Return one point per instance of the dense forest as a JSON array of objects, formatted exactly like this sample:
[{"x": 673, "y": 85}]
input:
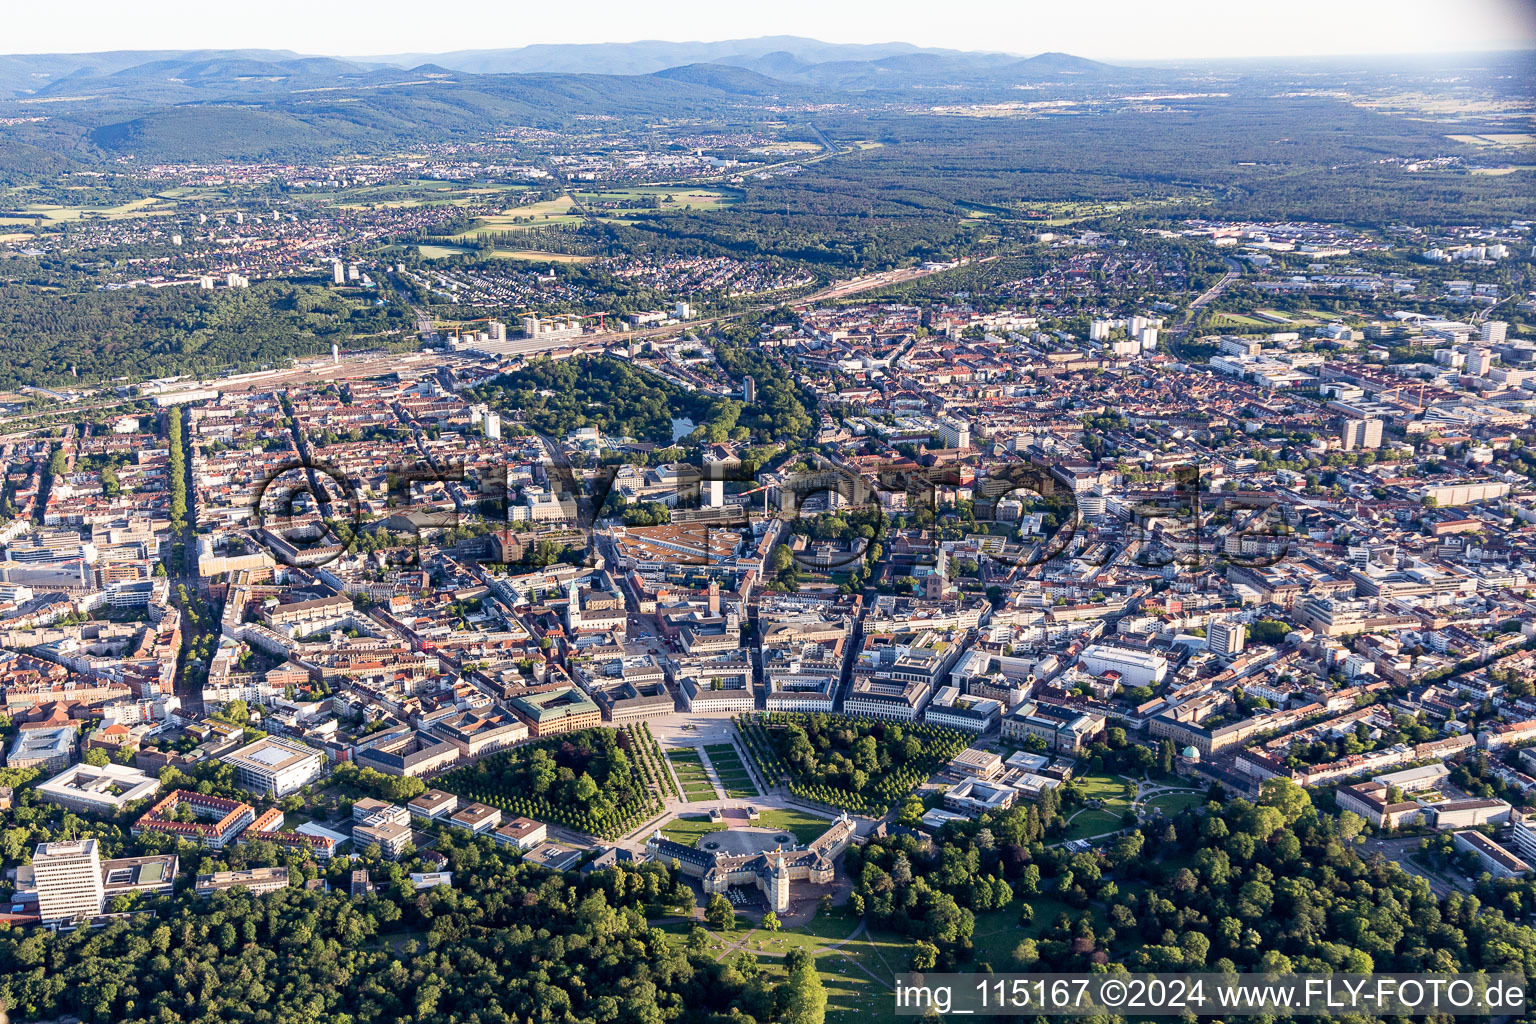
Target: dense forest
[
  {"x": 510, "y": 942},
  {"x": 1271, "y": 885},
  {"x": 594, "y": 780},
  {"x": 156, "y": 332},
  {"x": 558, "y": 397}
]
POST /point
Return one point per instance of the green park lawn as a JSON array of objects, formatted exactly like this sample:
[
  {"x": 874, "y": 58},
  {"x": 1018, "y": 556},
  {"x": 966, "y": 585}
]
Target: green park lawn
[{"x": 800, "y": 824}]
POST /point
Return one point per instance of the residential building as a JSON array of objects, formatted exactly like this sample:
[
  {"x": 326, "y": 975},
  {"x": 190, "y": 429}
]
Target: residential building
[{"x": 1361, "y": 434}]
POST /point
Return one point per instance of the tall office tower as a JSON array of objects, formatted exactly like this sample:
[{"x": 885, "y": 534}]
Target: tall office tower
[
  {"x": 748, "y": 389},
  {"x": 1225, "y": 638},
  {"x": 1494, "y": 332},
  {"x": 1361, "y": 434},
  {"x": 68, "y": 880}
]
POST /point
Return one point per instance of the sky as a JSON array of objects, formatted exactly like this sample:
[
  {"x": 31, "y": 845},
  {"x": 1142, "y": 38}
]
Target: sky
[{"x": 1148, "y": 30}]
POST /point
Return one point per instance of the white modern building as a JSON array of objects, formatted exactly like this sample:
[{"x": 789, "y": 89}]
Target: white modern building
[
  {"x": 1136, "y": 668},
  {"x": 68, "y": 879},
  {"x": 105, "y": 790},
  {"x": 275, "y": 766}
]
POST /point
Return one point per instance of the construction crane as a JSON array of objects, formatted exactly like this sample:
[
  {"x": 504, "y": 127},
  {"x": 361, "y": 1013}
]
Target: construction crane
[{"x": 1393, "y": 392}]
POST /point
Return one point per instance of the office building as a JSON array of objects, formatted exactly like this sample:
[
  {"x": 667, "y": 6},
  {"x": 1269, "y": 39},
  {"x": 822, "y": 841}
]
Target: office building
[
  {"x": 522, "y": 833},
  {"x": 1136, "y": 668},
  {"x": 275, "y": 766},
  {"x": 1225, "y": 639},
  {"x": 254, "y": 880},
  {"x": 68, "y": 879},
  {"x": 433, "y": 805},
  {"x": 955, "y": 433},
  {"x": 1361, "y": 434},
  {"x": 476, "y": 818},
  {"x": 104, "y": 790},
  {"x": 1494, "y": 332}
]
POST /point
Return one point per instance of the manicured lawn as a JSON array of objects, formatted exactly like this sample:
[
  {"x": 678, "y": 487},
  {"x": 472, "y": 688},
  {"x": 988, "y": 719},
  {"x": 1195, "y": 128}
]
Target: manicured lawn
[
  {"x": 690, "y": 773},
  {"x": 689, "y": 830},
  {"x": 998, "y": 931},
  {"x": 803, "y": 826},
  {"x": 1090, "y": 823},
  {"x": 1173, "y": 803},
  {"x": 733, "y": 773},
  {"x": 1115, "y": 791}
]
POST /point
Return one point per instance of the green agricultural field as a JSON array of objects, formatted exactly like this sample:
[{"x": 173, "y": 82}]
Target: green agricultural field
[
  {"x": 550, "y": 212},
  {"x": 52, "y": 214}
]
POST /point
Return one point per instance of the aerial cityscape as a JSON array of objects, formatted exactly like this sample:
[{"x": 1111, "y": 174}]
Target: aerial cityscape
[{"x": 713, "y": 532}]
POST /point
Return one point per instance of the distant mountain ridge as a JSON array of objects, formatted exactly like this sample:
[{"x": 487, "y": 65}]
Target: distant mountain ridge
[
  {"x": 647, "y": 56},
  {"x": 213, "y": 104}
]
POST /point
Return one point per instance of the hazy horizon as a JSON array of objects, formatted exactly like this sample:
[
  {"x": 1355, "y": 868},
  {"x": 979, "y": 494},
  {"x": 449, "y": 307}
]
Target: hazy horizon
[{"x": 1111, "y": 30}]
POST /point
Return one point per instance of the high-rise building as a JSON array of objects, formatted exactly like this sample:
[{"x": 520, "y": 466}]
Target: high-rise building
[
  {"x": 955, "y": 433},
  {"x": 492, "y": 425},
  {"x": 1479, "y": 362},
  {"x": 1361, "y": 434},
  {"x": 68, "y": 877},
  {"x": 1225, "y": 639},
  {"x": 748, "y": 389},
  {"x": 338, "y": 272},
  {"x": 1494, "y": 332}
]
